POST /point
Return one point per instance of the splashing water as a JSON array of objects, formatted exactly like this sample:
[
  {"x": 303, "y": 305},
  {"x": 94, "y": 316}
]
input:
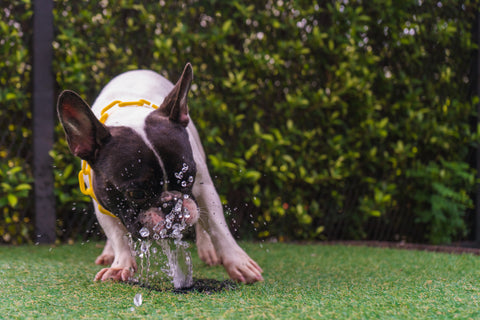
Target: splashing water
[
  {"x": 165, "y": 253},
  {"x": 179, "y": 262},
  {"x": 137, "y": 300}
]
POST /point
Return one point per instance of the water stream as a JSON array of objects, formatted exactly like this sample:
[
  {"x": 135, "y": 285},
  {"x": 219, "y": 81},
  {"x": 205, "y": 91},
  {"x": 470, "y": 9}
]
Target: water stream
[{"x": 164, "y": 254}]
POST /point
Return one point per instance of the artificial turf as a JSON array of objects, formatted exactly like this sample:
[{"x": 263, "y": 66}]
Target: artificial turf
[{"x": 301, "y": 282}]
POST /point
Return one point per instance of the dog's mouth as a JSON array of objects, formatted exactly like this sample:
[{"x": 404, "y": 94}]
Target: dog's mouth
[{"x": 177, "y": 212}]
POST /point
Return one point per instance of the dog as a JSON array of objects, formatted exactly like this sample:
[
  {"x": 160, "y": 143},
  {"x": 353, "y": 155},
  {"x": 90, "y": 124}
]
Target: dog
[{"x": 142, "y": 156}]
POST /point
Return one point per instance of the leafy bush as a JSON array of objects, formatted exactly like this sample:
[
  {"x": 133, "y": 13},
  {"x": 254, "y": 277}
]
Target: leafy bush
[
  {"x": 15, "y": 189},
  {"x": 441, "y": 193},
  {"x": 298, "y": 104},
  {"x": 314, "y": 116},
  {"x": 15, "y": 120}
]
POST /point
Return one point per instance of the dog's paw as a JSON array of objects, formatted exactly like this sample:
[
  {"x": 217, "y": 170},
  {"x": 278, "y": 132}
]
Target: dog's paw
[
  {"x": 205, "y": 248},
  {"x": 107, "y": 256},
  {"x": 208, "y": 255},
  {"x": 105, "y": 259},
  {"x": 115, "y": 274},
  {"x": 242, "y": 268}
]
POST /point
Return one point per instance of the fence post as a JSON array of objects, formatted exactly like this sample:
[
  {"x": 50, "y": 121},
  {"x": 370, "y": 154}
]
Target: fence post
[{"x": 43, "y": 120}]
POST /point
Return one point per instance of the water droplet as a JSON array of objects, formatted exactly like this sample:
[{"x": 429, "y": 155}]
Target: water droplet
[
  {"x": 184, "y": 184},
  {"x": 145, "y": 246},
  {"x": 176, "y": 232},
  {"x": 190, "y": 179},
  {"x": 178, "y": 206},
  {"x": 137, "y": 300},
  {"x": 163, "y": 233},
  {"x": 158, "y": 226},
  {"x": 144, "y": 232},
  {"x": 179, "y": 175},
  {"x": 184, "y": 167}
]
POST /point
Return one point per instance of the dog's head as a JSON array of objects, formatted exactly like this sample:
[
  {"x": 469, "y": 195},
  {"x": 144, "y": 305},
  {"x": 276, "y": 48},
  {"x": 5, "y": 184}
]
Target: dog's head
[{"x": 144, "y": 178}]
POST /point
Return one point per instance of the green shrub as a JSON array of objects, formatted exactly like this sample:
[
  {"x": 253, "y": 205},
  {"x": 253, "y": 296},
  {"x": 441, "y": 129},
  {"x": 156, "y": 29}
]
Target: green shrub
[
  {"x": 313, "y": 115},
  {"x": 441, "y": 194},
  {"x": 15, "y": 121},
  {"x": 15, "y": 187}
]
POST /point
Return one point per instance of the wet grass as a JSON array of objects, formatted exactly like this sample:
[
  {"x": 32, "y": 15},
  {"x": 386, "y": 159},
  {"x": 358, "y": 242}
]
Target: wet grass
[{"x": 301, "y": 282}]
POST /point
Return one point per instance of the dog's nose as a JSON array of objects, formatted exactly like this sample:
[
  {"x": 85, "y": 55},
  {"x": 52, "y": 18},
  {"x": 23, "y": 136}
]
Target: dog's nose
[{"x": 168, "y": 196}]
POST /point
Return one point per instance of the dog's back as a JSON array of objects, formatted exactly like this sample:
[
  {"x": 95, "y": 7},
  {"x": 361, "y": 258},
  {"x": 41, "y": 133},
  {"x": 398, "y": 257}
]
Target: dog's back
[{"x": 132, "y": 86}]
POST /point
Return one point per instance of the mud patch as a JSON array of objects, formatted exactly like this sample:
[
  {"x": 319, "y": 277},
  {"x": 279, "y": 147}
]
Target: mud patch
[
  {"x": 208, "y": 286},
  {"x": 205, "y": 286}
]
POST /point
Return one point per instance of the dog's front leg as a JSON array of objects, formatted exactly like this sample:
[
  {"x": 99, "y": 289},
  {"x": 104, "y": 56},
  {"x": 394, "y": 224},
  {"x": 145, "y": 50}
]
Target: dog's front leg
[
  {"x": 124, "y": 265},
  {"x": 205, "y": 247},
  {"x": 107, "y": 256},
  {"x": 237, "y": 263}
]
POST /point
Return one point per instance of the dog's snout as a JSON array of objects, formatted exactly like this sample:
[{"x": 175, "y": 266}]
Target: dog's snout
[{"x": 168, "y": 196}]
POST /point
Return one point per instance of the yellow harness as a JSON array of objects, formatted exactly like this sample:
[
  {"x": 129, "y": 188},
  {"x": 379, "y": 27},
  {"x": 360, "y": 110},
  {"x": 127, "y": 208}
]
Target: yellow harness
[{"x": 86, "y": 170}]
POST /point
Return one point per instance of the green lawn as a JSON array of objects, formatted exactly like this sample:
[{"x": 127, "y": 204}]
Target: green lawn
[{"x": 301, "y": 282}]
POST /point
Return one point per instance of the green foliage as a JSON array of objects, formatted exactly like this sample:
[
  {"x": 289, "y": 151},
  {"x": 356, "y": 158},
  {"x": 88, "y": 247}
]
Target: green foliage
[
  {"x": 15, "y": 120},
  {"x": 441, "y": 192},
  {"x": 313, "y": 115},
  {"x": 69, "y": 200},
  {"x": 15, "y": 187}
]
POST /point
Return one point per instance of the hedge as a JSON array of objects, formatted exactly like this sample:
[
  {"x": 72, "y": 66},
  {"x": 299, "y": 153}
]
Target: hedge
[{"x": 313, "y": 115}]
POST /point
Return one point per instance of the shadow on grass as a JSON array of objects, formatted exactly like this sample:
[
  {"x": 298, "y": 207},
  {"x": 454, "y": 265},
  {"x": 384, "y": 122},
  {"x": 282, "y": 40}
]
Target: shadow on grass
[{"x": 205, "y": 286}]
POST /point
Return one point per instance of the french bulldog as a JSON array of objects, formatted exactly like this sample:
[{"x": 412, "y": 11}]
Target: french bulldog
[{"x": 145, "y": 157}]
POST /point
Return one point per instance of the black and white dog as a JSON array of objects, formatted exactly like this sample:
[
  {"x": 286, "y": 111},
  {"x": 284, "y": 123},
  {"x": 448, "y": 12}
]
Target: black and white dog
[{"x": 144, "y": 154}]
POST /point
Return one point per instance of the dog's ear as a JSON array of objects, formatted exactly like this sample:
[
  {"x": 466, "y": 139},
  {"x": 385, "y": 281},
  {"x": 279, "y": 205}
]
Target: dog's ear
[
  {"x": 85, "y": 134},
  {"x": 175, "y": 104}
]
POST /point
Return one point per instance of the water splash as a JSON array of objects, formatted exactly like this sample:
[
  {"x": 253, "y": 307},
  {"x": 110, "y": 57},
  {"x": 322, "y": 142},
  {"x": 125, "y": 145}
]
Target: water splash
[
  {"x": 144, "y": 232},
  {"x": 137, "y": 300},
  {"x": 165, "y": 253}
]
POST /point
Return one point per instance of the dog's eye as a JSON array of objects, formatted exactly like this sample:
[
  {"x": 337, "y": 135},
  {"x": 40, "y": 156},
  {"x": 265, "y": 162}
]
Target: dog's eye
[{"x": 137, "y": 194}]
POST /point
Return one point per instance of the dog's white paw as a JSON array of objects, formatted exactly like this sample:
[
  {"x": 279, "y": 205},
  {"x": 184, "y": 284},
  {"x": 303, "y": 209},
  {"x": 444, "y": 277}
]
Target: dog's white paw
[
  {"x": 115, "y": 274},
  {"x": 107, "y": 256},
  {"x": 205, "y": 248},
  {"x": 105, "y": 259},
  {"x": 240, "y": 267},
  {"x": 208, "y": 255}
]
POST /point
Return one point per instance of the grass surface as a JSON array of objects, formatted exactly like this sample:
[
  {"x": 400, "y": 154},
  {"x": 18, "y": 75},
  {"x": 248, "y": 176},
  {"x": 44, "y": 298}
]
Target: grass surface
[{"x": 301, "y": 282}]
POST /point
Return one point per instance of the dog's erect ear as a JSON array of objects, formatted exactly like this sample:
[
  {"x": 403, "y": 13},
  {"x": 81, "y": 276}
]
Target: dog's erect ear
[
  {"x": 85, "y": 134},
  {"x": 175, "y": 104}
]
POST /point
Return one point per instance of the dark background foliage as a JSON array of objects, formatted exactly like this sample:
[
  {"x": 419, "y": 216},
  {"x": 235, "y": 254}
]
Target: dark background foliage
[{"x": 336, "y": 120}]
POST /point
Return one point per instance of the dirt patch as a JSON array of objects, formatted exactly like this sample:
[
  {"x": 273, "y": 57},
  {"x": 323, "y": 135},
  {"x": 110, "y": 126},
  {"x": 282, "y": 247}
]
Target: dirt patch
[
  {"x": 205, "y": 286},
  {"x": 208, "y": 286}
]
